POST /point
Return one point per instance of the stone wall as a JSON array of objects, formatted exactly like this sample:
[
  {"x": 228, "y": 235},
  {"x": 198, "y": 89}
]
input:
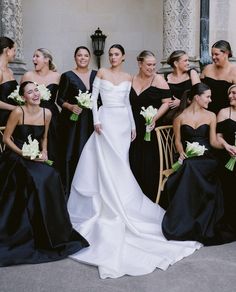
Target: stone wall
[{"x": 63, "y": 25}]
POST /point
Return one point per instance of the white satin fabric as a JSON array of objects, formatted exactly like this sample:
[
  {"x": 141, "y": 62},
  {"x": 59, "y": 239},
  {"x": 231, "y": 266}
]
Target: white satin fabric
[{"x": 106, "y": 204}]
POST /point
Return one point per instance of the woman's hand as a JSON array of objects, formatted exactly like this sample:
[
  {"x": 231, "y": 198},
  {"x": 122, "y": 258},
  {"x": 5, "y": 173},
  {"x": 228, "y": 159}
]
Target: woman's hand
[
  {"x": 173, "y": 103},
  {"x": 182, "y": 156},
  {"x": 74, "y": 108},
  {"x": 133, "y": 134},
  {"x": 231, "y": 149},
  {"x": 98, "y": 128},
  {"x": 44, "y": 155}
]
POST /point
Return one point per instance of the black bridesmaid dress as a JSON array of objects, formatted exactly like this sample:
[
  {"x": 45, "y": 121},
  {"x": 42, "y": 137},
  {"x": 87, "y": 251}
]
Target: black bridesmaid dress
[
  {"x": 219, "y": 95},
  {"x": 73, "y": 135},
  {"x": 34, "y": 222},
  {"x": 53, "y": 142},
  {"x": 195, "y": 195},
  {"x": 177, "y": 90},
  {"x": 143, "y": 155},
  {"x": 228, "y": 178},
  {"x": 6, "y": 89}
]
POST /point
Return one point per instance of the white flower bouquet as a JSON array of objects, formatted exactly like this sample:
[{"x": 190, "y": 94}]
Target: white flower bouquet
[
  {"x": 31, "y": 150},
  {"x": 230, "y": 164},
  {"x": 16, "y": 97},
  {"x": 84, "y": 101},
  {"x": 193, "y": 149},
  {"x": 148, "y": 115},
  {"x": 45, "y": 93}
]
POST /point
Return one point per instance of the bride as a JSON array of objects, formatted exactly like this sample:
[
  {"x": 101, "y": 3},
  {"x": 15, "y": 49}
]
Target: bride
[{"x": 106, "y": 204}]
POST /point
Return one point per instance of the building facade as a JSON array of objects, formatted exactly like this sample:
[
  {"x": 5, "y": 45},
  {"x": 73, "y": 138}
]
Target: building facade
[{"x": 157, "y": 25}]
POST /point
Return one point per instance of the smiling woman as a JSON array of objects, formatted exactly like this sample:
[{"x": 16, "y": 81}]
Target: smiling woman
[
  {"x": 148, "y": 89},
  {"x": 35, "y": 225},
  {"x": 220, "y": 75},
  {"x": 45, "y": 73},
  {"x": 74, "y": 134}
]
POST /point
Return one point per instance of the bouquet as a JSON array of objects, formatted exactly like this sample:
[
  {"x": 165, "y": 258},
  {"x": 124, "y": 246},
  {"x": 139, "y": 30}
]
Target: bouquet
[
  {"x": 230, "y": 164},
  {"x": 193, "y": 149},
  {"x": 45, "y": 93},
  {"x": 84, "y": 101},
  {"x": 148, "y": 115},
  {"x": 16, "y": 97},
  {"x": 32, "y": 150}
]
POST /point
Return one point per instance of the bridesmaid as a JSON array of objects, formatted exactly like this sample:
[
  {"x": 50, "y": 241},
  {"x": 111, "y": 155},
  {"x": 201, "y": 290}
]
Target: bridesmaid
[
  {"x": 220, "y": 75},
  {"x": 194, "y": 191},
  {"x": 74, "y": 135},
  {"x": 7, "y": 81},
  {"x": 45, "y": 73},
  {"x": 35, "y": 225},
  {"x": 180, "y": 79},
  {"x": 148, "y": 88},
  {"x": 226, "y": 133}
]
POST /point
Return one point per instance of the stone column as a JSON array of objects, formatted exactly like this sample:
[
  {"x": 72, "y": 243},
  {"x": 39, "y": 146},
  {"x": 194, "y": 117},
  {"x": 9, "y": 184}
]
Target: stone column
[
  {"x": 181, "y": 30},
  {"x": 12, "y": 27}
]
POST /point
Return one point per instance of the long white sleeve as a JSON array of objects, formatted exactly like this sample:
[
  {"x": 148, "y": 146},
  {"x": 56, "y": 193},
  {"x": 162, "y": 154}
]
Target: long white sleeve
[
  {"x": 95, "y": 93},
  {"x": 127, "y": 102}
]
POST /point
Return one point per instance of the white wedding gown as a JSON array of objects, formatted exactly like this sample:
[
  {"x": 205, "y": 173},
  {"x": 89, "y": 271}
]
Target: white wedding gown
[{"x": 106, "y": 204}]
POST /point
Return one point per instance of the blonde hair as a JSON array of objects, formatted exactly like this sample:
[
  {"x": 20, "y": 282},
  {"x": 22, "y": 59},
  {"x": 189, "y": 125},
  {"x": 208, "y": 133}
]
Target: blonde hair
[
  {"x": 230, "y": 88},
  {"x": 144, "y": 54},
  {"x": 47, "y": 54}
]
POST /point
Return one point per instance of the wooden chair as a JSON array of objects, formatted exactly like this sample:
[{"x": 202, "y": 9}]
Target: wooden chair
[
  {"x": 166, "y": 146},
  {"x": 2, "y": 145}
]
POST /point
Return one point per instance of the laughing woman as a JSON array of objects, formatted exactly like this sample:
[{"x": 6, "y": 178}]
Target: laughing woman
[
  {"x": 34, "y": 223},
  {"x": 45, "y": 73}
]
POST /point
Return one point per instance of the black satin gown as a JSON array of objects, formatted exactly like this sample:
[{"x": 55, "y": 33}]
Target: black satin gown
[
  {"x": 228, "y": 178},
  {"x": 143, "y": 155},
  {"x": 73, "y": 135},
  {"x": 53, "y": 140},
  {"x": 34, "y": 222},
  {"x": 6, "y": 89},
  {"x": 219, "y": 95},
  {"x": 195, "y": 195}
]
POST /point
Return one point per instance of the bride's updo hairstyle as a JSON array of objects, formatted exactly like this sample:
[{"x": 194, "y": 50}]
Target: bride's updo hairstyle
[
  {"x": 144, "y": 54},
  {"x": 119, "y": 47},
  {"x": 224, "y": 47}
]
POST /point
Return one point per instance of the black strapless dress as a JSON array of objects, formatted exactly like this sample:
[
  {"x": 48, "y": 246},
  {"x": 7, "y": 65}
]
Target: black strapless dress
[
  {"x": 195, "y": 195},
  {"x": 34, "y": 222},
  {"x": 219, "y": 95},
  {"x": 228, "y": 178},
  {"x": 5, "y": 90},
  {"x": 53, "y": 142},
  {"x": 73, "y": 135},
  {"x": 143, "y": 155}
]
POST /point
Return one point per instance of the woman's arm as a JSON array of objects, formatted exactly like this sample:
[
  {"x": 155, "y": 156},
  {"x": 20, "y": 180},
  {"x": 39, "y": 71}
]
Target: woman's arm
[
  {"x": 13, "y": 120},
  {"x": 222, "y": 115},
  {"x": 194, "y": 77},
  {"x": 213, "y": 139},
  {"x": 178, "y": 144},
  {"x": 44, "y": 141}
]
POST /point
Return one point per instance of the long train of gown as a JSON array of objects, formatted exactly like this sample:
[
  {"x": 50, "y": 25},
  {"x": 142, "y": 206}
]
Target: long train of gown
[{"x": 106, "y": 204}]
